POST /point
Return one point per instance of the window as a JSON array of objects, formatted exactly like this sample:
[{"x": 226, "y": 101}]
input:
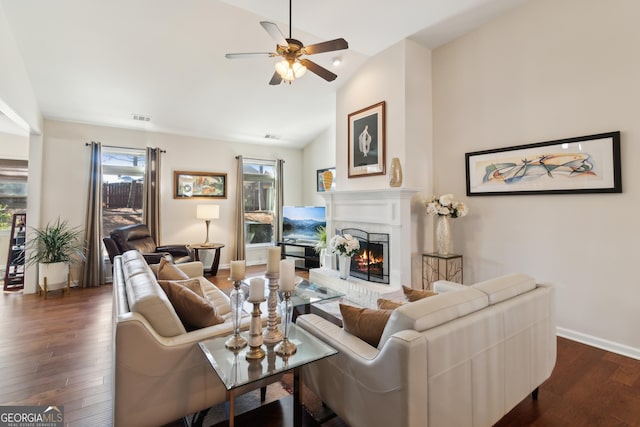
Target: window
[
  {"x": 122, "y": 187},
  {"x": 259, "y": 202}
]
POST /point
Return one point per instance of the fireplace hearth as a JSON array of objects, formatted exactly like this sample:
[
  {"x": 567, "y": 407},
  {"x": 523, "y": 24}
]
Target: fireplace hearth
[{"x": 372, "y": 261}]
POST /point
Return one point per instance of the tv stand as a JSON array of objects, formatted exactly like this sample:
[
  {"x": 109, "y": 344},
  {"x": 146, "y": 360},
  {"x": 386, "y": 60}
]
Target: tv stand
[{"x": 306, "y": 251}]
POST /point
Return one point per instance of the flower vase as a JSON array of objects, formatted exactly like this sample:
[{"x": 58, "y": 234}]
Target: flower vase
[
  {"x": 344, "y": 265},
  {"x": 443, "y": 235},
  {"x": 395, "y": 176},
  {"x": 323, "y": 257}
]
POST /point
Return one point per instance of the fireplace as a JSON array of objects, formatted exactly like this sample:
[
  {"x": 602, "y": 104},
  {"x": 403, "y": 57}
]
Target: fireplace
[{"x": 372, "y": 261}]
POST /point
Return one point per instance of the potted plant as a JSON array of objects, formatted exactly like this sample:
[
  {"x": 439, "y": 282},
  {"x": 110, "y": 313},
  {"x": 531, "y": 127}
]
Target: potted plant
[{"x": 53, "y": 248}]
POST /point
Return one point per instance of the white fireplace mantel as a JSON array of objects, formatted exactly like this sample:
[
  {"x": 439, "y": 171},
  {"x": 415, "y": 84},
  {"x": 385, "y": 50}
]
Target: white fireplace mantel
[{"x": 378, "y": 211}]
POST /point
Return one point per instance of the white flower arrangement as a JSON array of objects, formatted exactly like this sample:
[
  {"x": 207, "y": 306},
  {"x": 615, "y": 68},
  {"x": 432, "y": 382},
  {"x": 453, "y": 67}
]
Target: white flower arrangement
[
  {"x": 445, "y": 206},
  {"x": 344, "y": 245}
]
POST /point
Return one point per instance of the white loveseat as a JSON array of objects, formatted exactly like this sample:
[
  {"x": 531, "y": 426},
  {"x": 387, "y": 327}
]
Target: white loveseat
[
  {"x": 160, "y": 373},
  {"x": 461, "y": 358}
]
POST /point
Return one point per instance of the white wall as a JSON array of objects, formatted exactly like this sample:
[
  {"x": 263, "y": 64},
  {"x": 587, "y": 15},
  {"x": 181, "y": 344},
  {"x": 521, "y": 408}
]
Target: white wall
[
  {"x": 66, "y": 173},
  {"x": 400, "y": 76},
  {"x": 548, "y": 70},
  {"x": 17, "y": 99},
  {"x": 14, "y": 146},
  {"x": 318, "y": 154},
  {"x": 380, "y": 79}
]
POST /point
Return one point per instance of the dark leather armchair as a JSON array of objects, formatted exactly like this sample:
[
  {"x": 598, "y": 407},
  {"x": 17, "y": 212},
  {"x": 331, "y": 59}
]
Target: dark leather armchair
[{"x": 138, "y": 237}]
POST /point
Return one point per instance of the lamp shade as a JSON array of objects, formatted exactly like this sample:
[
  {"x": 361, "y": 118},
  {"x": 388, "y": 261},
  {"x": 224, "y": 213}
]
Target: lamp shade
[{"x": 208, "y": 212}]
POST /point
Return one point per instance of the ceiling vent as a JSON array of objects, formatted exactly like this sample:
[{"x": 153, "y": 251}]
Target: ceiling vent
[
  {"x": 271, "y": 136},
  {"x": 141, "y": 118}
]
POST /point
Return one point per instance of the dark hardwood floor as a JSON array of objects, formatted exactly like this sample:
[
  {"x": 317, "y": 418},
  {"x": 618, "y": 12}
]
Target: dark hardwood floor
[{"x": 58, "y": 352}]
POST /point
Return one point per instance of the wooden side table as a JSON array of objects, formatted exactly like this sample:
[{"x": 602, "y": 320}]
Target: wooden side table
[
  {"x": 216, "y": 257},
  {"x": 440, "y": 267}
]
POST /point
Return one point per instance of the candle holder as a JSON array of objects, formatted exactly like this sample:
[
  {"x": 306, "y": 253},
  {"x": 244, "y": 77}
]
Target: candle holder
[
  {"x": 255, "y": 369},
  {"x": 234, "y": 366},
  {"x": 255, "y": 333},
  {"x": 286, "y": 347},
  {"x": 272, "y": 334},
  {"x": 236, "y": 297}
]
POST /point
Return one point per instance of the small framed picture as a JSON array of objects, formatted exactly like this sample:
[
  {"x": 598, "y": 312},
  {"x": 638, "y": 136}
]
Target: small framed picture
[
  {"x": 367, "y": 141},
  {"x": 320, "y": 179},
  {"x": 199, "y": 185}
]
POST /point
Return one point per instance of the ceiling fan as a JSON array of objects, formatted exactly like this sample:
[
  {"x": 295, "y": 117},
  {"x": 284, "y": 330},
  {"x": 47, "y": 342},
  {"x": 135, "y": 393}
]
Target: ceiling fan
[{"x": 291, "y": 50}]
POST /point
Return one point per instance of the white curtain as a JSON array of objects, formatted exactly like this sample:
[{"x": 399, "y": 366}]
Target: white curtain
[
  {"x": 151, "y": 205},
  {"x": 92, "y": 271},
  {"x": 240, "y": 245}
]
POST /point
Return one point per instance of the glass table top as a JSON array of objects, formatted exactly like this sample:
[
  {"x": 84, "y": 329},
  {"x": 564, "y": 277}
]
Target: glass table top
[
  {"x": 235, "y": 370},
  {"x": 309, "y": 293},
  {"x": 305, "y": 293}
]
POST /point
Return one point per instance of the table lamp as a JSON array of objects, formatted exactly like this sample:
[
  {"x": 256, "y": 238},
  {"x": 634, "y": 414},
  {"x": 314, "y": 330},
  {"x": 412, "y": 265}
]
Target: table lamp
[{"x": 208, "y": 212}]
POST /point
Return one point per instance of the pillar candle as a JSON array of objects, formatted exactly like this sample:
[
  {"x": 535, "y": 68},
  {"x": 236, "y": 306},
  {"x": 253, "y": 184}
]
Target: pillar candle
[
  {"x": 287, "y": 275},
  {"x": 273, "y": 260},
  {"x": 256, "y": 289},
  {"x": 237, "y": 270}
]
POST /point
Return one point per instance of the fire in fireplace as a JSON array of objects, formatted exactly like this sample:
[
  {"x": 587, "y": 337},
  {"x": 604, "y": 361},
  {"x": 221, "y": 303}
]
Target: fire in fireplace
[{"x": 372, "y": 261}]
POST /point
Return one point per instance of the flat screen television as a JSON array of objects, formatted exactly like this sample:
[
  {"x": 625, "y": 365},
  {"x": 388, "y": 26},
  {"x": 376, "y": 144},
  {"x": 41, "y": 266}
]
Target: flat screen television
[{"x": 300, "y": 223}]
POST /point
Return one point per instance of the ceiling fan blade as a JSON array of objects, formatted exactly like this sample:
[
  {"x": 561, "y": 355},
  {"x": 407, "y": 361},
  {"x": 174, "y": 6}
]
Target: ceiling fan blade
[
  {"x": 248, "y": 55},
  {"x": 276, "y": 79},
  {"x": 274, "y": 32},
  {"x": 319, "y": 70},
  {"x": 329, "y": 46}
]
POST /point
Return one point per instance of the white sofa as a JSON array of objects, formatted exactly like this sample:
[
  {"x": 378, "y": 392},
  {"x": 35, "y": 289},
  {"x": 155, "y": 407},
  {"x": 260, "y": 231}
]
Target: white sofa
[
  {"x": 160, "y": 373},
  {"x": 465, "y": 357}
]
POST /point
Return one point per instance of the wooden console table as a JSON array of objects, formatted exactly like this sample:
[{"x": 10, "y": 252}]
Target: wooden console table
[{"x": 440, "y": 267}]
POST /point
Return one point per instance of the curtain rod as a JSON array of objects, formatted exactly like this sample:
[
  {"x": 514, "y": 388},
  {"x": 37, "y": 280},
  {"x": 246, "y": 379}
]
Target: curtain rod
[
  {"x": 259, "y": 160},
  {"x": 86, "y": 144}
]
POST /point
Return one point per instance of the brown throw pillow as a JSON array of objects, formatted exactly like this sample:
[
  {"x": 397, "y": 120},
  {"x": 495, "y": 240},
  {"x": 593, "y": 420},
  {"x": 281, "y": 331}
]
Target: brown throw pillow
[
  {"x": 193, "y": 310},
  {"x": 387, "y": 304},
  {"x": 416, "y": 294},
  {"x": 169, "y": 271},
  {"x": 193, "y": 284},
  {"x": 365, "y": 323}
]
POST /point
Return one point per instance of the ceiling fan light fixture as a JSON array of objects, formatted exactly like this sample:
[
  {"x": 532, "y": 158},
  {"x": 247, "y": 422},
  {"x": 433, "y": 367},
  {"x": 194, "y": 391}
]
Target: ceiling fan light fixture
[
  {"x": 298, "y": 69},
  {"x": 282, "y": 67},
  {"x": 289, "y": 72}
]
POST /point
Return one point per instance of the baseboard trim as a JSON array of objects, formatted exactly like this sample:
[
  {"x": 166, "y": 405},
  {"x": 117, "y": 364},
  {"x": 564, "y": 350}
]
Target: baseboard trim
[{"x": 603, "y": 344}]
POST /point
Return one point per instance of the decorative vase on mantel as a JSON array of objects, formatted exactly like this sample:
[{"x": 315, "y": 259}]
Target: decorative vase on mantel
[
  {"x": 344, "y": 265},
  {"x": 395, "y": 175},
  {"x": 443, "y": 235}
]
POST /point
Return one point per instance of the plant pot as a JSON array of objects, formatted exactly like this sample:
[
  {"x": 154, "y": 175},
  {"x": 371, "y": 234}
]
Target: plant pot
[
  {"x": 56, "y": 273},
  {"x": 323, "y": 257}
]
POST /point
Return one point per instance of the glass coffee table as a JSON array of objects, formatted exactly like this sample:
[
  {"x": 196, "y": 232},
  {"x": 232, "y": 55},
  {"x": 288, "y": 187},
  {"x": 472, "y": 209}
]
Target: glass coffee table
[
  {"x": 236, "y": 371},
  {"x": 308, "y": 293},
  {"x": 304, "y": 295}
]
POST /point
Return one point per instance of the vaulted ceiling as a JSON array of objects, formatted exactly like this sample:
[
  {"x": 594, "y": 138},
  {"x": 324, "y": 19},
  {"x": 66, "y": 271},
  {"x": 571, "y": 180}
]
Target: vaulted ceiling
[{"x": 103, "y": 61}]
